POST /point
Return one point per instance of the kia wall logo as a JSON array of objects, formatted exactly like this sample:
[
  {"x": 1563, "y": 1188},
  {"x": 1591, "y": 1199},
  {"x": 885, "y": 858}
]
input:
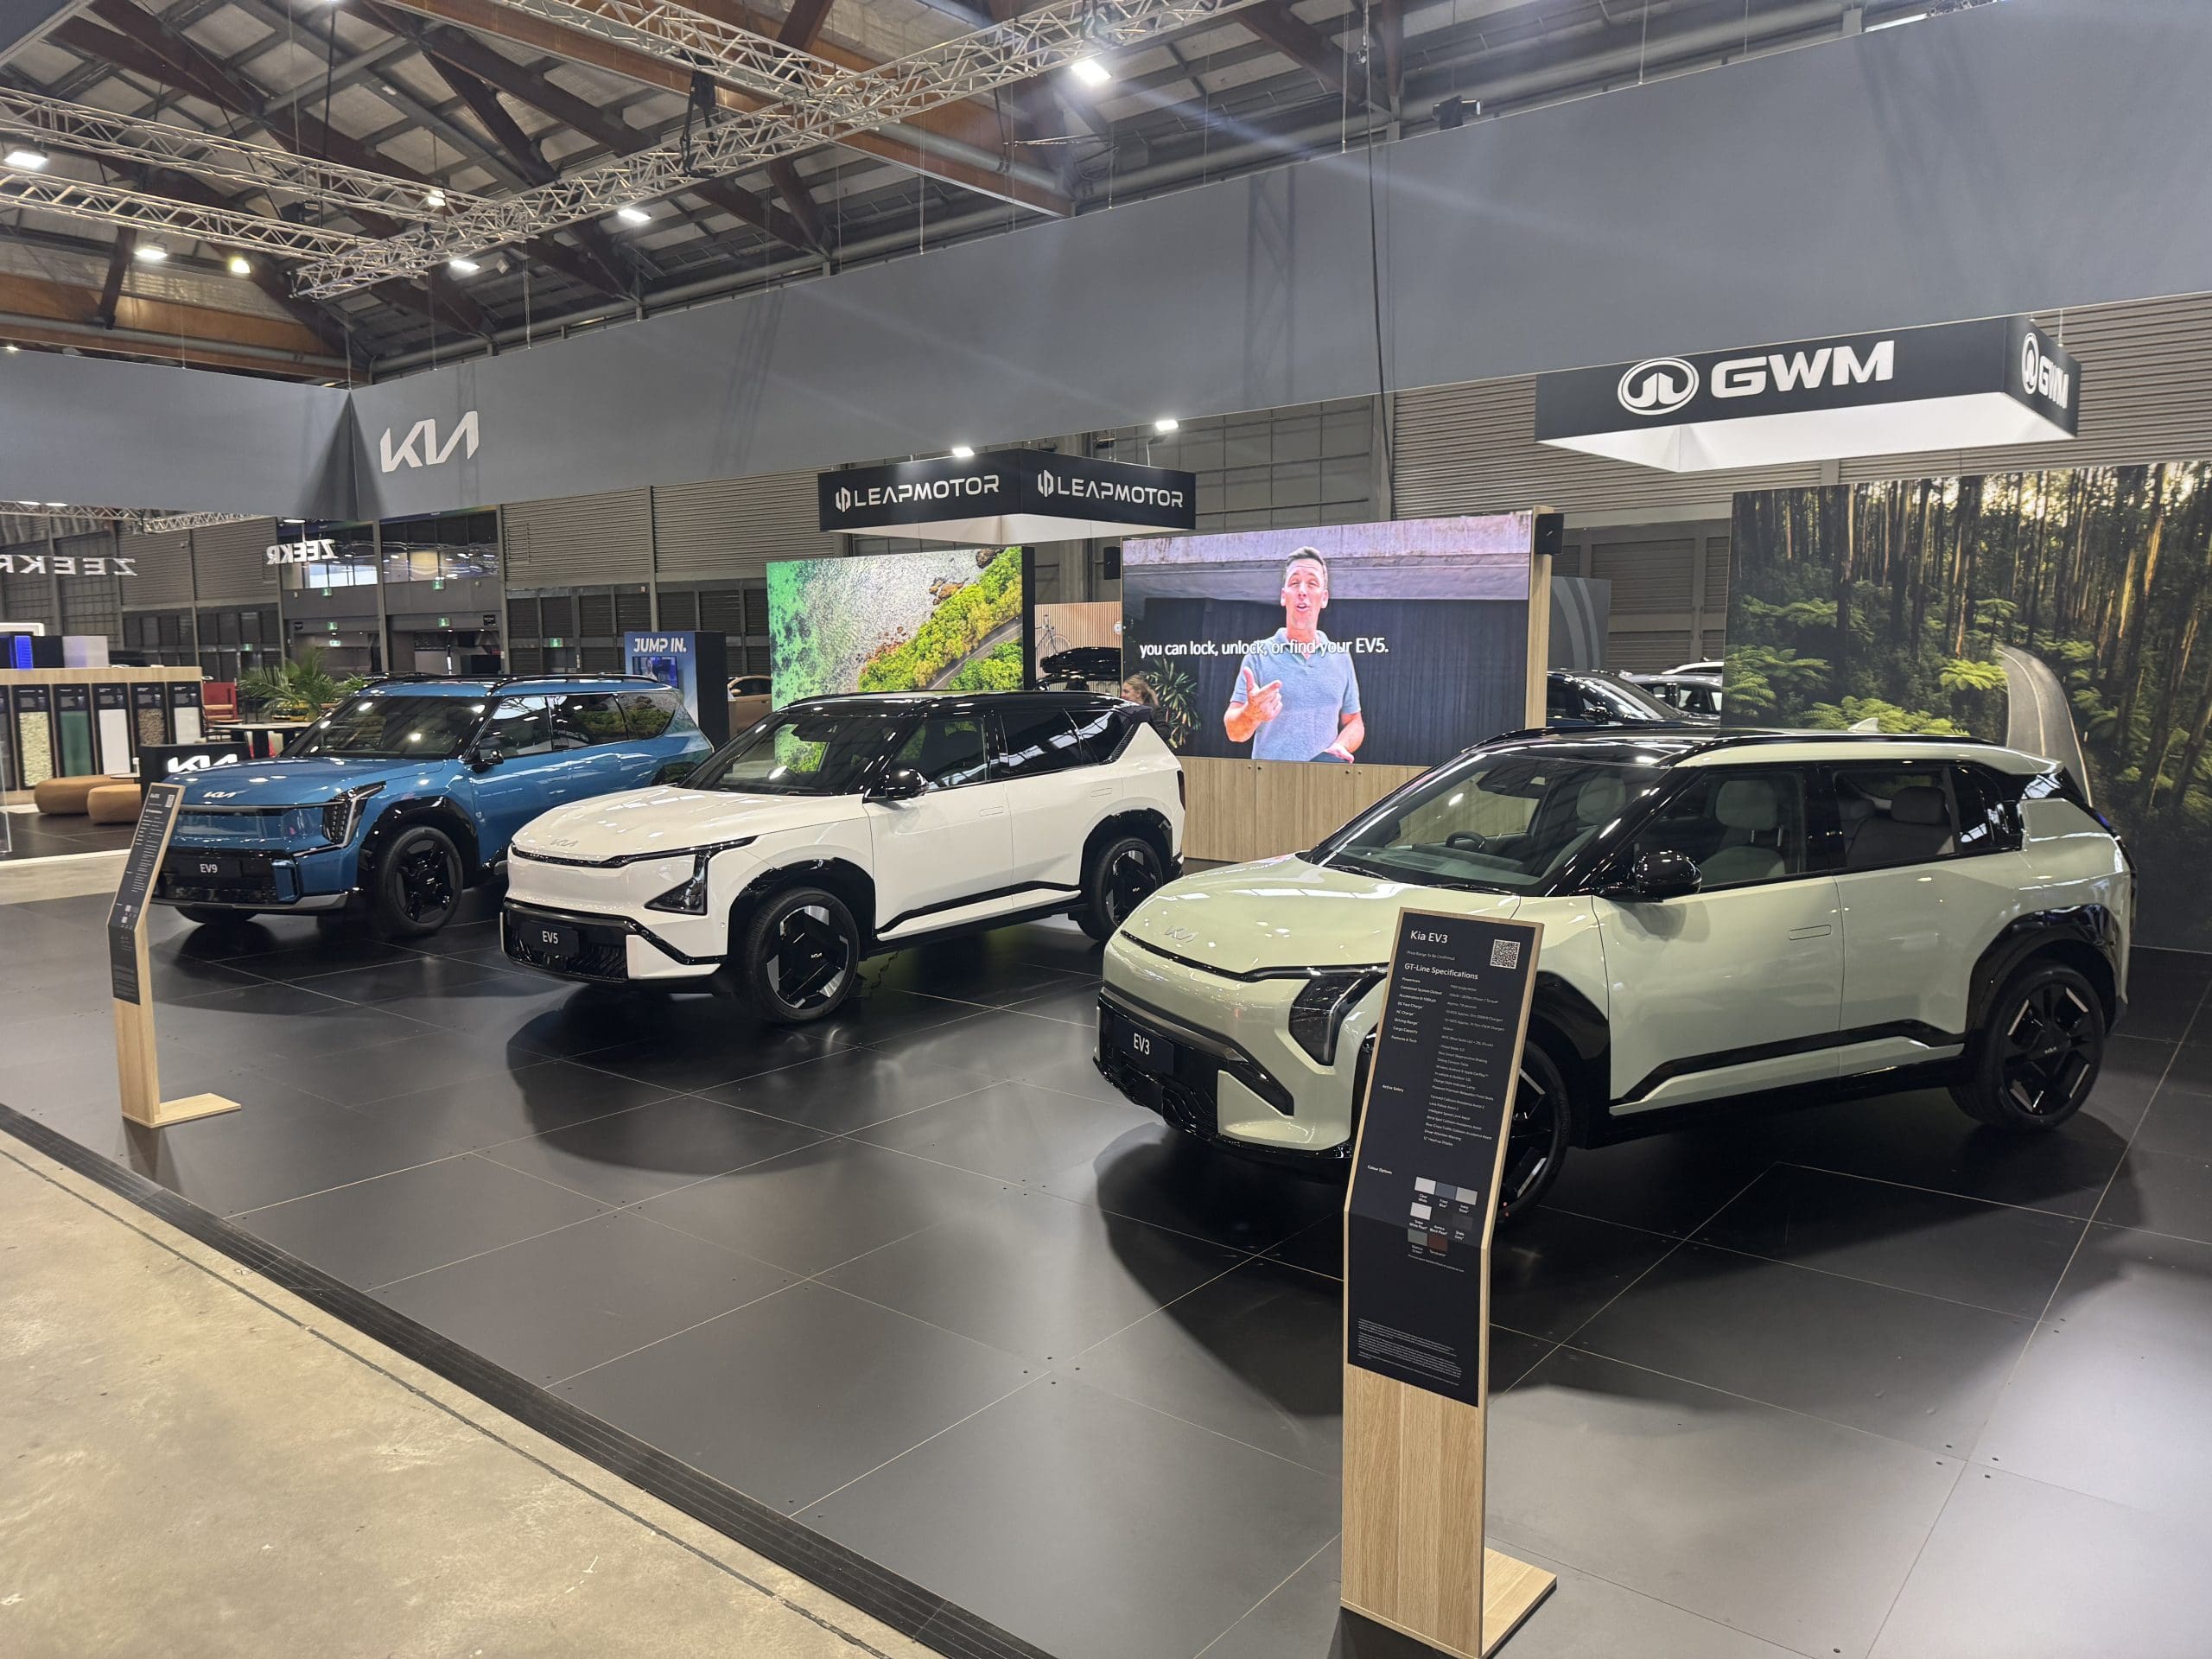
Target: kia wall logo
[
  {"x": 1658, "y": 385},
  {"x": 422, "y": 447},
  {"x": 2041, "y": 376}
]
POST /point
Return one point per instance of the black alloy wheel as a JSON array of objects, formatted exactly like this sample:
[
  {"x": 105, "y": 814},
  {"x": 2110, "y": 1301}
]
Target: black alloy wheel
[
  {"x": 1535, "y": 1141},
  {"x": 2038, "y": 1054},
  {"x": 801, "y": 955},
  {"x": 418, "y": 886},
  {"x": 1125, "y": 873}
]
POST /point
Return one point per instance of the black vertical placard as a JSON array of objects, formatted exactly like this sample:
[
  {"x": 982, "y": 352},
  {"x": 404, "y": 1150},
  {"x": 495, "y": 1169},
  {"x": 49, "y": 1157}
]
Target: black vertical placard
[
  {"x": 140, "y": 867},
  {"x": 1440, "y": 1096}
]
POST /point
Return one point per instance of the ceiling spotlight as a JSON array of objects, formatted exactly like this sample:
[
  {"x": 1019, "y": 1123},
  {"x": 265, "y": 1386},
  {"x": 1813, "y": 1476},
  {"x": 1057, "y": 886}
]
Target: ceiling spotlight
[
  {"x": 149, "y": 253},
  {"x": 240, "y": 265},
  {"x": 11, "y": 348},
  {"x": 1090, "y": 72},
  {"x": 463, "y": 267},
  {"x": 28, "y": 160},
  {"x": 57, "y": 504},
  {"x": 1165, "y": 424},
  {"x": 434, "y": 197},
  {"x": 633, "y": 216},
  {"x": 963, "y": 452}
]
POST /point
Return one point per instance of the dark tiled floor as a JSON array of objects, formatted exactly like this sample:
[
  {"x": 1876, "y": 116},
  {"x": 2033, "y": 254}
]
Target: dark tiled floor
[
  {"x": 32, "y": 835},
  {"x": 1863, "y": 1380}
]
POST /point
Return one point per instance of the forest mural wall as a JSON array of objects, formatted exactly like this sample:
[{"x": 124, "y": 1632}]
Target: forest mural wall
[{"x": 2064, "y": 612}]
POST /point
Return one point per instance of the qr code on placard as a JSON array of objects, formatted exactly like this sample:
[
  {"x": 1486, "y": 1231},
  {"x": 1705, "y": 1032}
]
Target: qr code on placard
[{"x": 1505, "y": 953}]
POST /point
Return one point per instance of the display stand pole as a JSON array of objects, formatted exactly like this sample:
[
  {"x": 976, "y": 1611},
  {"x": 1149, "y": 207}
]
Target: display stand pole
[
  {"x": 137, "y": 1058},
  {"x": 1418, "y": 1220}
]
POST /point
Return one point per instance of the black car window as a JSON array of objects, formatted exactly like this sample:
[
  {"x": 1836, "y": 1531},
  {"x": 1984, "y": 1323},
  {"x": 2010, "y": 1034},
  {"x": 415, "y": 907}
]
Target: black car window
[
  {"x": 947, "y": 751},
  {"x": 519, "y": 726},
  {"x": 655, "y": 714},
  {"x": 1893, "y": 815},
  {"x": 1739, "y": 826},
  {"x": 804, "y": 751},
  {"x": 393, "y": 728},
  {"x": 1100, "y": 732},
  {"x": 1989, "y": 810},
  {"x": 1035, "y": 741},
  {"x": 583, "y": 720}
]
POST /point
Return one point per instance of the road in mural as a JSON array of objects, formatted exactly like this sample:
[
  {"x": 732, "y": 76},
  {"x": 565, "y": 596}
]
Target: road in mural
[
  {"x": 932, "y": 621},
  {"x": 2063, "y": 611}
]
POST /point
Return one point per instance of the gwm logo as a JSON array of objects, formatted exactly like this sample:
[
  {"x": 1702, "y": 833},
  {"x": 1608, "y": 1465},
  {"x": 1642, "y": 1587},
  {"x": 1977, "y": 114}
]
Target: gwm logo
[
  {"x": 1834, "y": 366},
  {"x": 1658, "y": 385},
  {"x": 2043, "y": 377},
  {"x": 422, "y": 447}
]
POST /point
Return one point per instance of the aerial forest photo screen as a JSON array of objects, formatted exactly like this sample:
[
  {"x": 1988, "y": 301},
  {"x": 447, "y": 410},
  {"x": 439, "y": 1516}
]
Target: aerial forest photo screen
[{"x": 2062, "y": 612}]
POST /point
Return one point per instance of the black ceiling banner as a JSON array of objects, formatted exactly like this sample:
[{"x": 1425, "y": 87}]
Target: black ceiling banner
[
  {"x": 1960, "y": 385},
  {"x": 1006, "y": 497}
]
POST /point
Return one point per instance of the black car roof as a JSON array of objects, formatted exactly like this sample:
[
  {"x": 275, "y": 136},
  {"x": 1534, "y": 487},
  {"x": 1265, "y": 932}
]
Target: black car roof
[
  {"x": 962, "y": 702},
  {"x": 1667, "y": 745}
]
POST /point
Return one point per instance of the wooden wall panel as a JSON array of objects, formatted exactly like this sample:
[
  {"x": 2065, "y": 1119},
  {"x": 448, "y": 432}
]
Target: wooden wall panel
[{"x": 1242, "y": 809}]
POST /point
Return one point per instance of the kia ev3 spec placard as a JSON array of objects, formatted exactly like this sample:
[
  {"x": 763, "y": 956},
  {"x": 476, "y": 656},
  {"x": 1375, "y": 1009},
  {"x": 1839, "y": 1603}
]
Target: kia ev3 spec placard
[
  {"x": 1726, "y": 915},
  {"x": 841, "y": 827}
]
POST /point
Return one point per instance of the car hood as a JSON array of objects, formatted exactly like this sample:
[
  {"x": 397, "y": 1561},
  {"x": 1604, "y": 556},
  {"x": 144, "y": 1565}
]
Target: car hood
[
  {"x": 1284, "y": 913},
  {"x": 667, "y": 818},
  {"x": 309, "y": 781}
]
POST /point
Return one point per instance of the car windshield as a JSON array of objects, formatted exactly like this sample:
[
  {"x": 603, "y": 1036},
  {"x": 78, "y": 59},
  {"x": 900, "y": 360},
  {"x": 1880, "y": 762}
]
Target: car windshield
[
  {"x": 801, "y": 752},
  {"x": 393, "y": 729},
  {"x": 1630, "y": 704},
  {"x": 1505, "y": 822}
]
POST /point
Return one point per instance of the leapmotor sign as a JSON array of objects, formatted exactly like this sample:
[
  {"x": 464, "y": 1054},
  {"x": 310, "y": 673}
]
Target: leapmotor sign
[
  {"x": 1954, "y": 385},
  {"x": 1011, "y": 484}
]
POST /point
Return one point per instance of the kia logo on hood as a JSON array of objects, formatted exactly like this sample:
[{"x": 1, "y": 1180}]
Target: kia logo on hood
[{"x": 1658, "y": 385}]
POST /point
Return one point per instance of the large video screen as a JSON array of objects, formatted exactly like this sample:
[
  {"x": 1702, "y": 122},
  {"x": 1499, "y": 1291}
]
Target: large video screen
[
  {"x": 1399, "y": 643},
  {"x": 955, "y": 621}
]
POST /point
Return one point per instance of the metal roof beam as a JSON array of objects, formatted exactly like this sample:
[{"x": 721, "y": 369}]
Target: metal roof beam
[{"x": 1040, "y": 42}]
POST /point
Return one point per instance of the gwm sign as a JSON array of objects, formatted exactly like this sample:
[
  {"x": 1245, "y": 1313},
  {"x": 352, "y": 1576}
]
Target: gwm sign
[
  {"x": 424, "y": 447},
  {"x": 1955, "y": 386}
]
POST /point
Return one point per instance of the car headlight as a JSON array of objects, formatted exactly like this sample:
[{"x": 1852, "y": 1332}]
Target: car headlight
[
  {"x": 690, "y": 897},
  {"x": 343, "y": 815},
  {"x": 1317, "y": 1015}
]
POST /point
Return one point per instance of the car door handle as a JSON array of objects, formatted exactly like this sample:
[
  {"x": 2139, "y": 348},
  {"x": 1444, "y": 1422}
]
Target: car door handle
[
  {"x": 1100, "y": 792},
  {"x": 998, "y": 811},
  {"x": 1819, "y": 931}
]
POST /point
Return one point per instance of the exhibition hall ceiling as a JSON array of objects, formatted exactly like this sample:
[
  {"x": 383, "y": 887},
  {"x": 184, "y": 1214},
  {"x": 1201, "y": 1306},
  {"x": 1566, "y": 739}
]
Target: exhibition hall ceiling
[{"x": 322, "y": 191}]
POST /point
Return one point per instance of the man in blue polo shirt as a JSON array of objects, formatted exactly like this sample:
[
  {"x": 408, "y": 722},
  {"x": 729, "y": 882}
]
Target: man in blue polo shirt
[{"x": 1297, "y": 697}]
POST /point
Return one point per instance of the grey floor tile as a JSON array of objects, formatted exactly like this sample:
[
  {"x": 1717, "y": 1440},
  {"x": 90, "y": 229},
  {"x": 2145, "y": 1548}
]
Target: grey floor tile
[
  {"x": 2029, "y": 1571},
  {"x": 1151, "y": 1172},
  {"x": 1664, "y": 1182},
  {"x": 630, "y": 1156},
  {"x": 560, "y": 1303},
  {"x": 1008, "y": 1044},
  {"x": 847, "y": 1091},
  {"x": 1256, "y": 1354},
  {"x": 1031, "y": 1274},
  {"x": 1550, "y": 1274},
  {"x": 2180, "y": 1119},
  {"x": 410, "y": 975},
  {"x": 985, "y": 969},
  {"x": 1993, "y": 1255},
  {"x": 1792, "y": 1529},
  {"x": 2162, "y": 1192},
  {"x": 501, "y": 1105},
  {"x": 1014, "y": 1131},
  {"x": 1890, "y": 1362},
  {"x": 825, "y": 1203},
  {"x": 694, "y": 1058},
  {"x": 1513, "y": 1356},
  {"x": 790, "y": 1397},
  {"x": 1044, "y": 1515},
  {"x": 1303, "y": 1618},
  {"x": 400, "y": 1224},
  {"x": 276, "y": 1024},
  {"x": 2114, "y": 1397},
  {"x": 1586, "y": 1616}
]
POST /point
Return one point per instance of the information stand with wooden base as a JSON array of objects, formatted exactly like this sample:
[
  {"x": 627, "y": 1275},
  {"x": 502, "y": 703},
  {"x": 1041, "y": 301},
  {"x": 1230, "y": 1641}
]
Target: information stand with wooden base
[
  {"x": 1418, "y": 1220},
  {"x": 136, "y": 1060}
]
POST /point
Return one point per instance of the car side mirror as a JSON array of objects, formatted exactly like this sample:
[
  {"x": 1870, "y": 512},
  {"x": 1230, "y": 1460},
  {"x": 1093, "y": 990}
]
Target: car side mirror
[
  {"x": 483, "y": 757},
  {"x": 899, "y": 783},
  {"x": 1657, "y": 875}
]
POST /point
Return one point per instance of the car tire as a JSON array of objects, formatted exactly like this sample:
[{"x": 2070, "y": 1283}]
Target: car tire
[
  {"x": 1536, "y": 1143},
  {"x": 799, "y": 955},
  {"x": 215, "y": 915},
  {"x": 1121, "y": 875},
  {"x": 2037, "y": 1055},
  {"x": 417, "y": 883}
]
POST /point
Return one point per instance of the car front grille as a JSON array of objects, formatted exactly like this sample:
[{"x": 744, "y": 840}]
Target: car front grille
[
  {"x": 1186, "y": 1100},
  {"x": 207, "y": 876},
  {"x": 604, "y": 955}
]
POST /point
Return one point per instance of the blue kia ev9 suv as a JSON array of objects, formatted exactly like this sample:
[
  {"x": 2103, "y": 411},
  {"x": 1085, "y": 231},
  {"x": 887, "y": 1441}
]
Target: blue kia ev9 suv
[{"x": 406, "y": 793}]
